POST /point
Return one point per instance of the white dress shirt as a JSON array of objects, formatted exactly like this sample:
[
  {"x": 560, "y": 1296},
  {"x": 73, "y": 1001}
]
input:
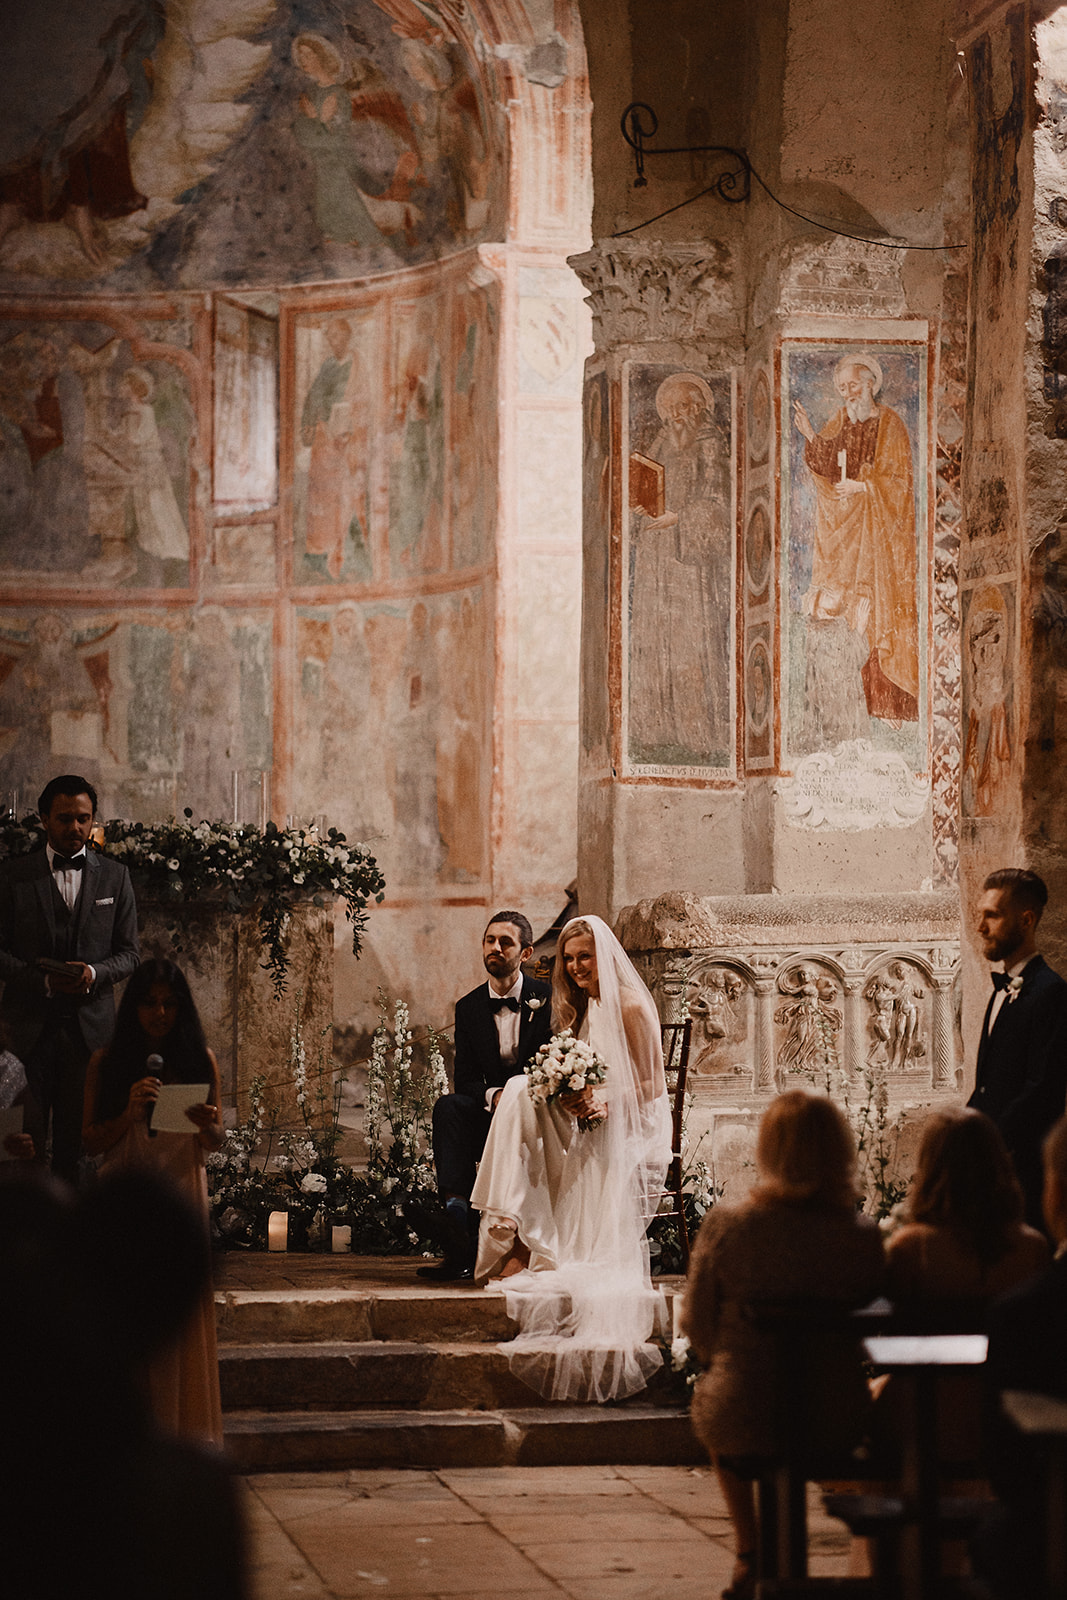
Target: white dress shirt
[
  {"x": 69, "y": 884},
  {"x": 1002, "y": 994},
  {"x": 507, "y": 1027}
]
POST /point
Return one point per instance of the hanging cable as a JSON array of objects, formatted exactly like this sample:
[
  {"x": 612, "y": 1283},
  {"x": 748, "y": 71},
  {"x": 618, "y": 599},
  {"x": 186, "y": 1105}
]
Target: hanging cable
[{"x": 733, "y": 186}]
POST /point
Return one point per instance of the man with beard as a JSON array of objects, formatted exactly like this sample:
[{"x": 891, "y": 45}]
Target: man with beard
[
  {"x": 863, "y": 572},
  {"x": 1021, "y": 1075},
  {"x": 499, "y": 1027}
]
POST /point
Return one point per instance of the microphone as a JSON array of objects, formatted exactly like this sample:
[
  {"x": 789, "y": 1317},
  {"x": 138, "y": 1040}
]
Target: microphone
[{"x": 154, "y": 1069}]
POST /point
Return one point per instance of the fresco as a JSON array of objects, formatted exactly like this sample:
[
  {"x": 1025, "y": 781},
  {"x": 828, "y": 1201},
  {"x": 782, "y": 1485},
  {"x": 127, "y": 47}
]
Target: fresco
[
  {"x": 680, "y": 572},
  {"x": 854, "y": 537},
  {"x": 337, "y": 356},
  {"x": 596, "y": 537},
  {"x": 759, "y": 418},
  {"x": 988, "y": 629},
  {"x": 416, "y": 443},
  {"x": 758, "y": 550},
  {"x": 187, "y": 143},
  {"x": 96, "y": 432},
  {"x": 393, "y": 712},
  {"x": 158, "y": 711},
  {"x": 475, "y": 318},
  {"x": 759, "y": 692}
]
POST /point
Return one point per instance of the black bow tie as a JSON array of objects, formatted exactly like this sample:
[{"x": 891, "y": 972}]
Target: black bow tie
[
  {"x": 509, "y": 1003},
  {"x": 1000, "y": 980},
  {"x": 68, "y": 863}
]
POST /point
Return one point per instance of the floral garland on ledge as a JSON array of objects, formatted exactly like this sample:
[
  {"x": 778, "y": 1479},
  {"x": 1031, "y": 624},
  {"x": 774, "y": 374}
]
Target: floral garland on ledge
[{"x": 272, "y": 870}]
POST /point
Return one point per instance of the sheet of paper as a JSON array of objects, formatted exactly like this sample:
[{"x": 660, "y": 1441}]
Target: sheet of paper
[
  {"x": 10, "y": 1122},
  {"x": 174, "y": 1100}
]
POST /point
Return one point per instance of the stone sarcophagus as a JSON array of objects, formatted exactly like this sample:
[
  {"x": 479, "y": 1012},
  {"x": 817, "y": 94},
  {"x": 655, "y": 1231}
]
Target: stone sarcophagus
[{"x": 855, "y": 995}]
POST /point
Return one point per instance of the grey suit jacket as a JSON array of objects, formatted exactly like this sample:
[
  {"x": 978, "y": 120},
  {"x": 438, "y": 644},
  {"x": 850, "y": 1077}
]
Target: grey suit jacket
[{"x": 104, "y": 936}]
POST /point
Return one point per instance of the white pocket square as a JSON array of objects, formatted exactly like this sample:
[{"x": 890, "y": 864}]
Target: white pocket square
[{"x": 110, "y": 901}]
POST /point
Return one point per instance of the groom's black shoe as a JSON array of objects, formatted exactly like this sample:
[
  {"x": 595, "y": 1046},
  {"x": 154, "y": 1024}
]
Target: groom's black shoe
[
  {"x": 447, "y": 1271},
  {"x": 459, "y": 1240}
]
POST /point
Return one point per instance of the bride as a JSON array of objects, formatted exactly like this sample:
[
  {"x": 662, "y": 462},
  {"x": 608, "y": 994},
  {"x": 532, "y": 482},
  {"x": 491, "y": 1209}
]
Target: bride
[{"x": 564, "y": 1211}]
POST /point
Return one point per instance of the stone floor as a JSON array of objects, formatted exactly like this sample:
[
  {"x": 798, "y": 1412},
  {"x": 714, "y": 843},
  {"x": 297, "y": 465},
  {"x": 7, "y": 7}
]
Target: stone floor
[{"x": 587, "y": 1533}]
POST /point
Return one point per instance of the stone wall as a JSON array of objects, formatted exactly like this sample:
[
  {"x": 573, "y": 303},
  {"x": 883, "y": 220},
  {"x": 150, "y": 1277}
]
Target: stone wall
[
  {"x": 276, "y": 537},
  {"x": 857, "y": 996}
]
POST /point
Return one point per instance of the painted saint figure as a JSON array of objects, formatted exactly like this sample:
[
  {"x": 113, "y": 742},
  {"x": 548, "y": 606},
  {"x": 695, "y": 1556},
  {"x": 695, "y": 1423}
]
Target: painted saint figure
[
  {"x": 161, "y": 530},
  {"x": 987, "y": 744},
  {"x": 864, "y": 554},
  {"x": 334, "y": 425},
  {"x": 679, "y": 613}
]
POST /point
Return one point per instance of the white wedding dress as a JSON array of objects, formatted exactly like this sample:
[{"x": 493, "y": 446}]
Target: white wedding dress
[{"x": 580, "y": 1201}]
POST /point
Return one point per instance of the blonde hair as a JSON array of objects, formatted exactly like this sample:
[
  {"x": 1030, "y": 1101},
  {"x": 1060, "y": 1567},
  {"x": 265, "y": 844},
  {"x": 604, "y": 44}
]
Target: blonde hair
[
  {"x": 805, "y": 1153},
  {"x": 569, "y": 1003}
]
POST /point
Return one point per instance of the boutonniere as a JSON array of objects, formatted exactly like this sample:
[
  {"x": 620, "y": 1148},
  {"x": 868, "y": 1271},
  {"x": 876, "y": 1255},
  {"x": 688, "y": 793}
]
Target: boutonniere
[
  {"x": 535, "y": 1004},
  {"x": 1015, "y": 988}
]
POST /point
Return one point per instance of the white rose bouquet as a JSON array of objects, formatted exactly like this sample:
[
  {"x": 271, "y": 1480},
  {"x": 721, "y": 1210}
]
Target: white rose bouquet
[{"x": 565, "y": 1065}]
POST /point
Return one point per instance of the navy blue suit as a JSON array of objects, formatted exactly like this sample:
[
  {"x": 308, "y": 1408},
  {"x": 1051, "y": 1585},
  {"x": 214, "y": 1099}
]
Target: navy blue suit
[
  {"x": 1021, "y": 1075},
  {"x": 460, "y": 1120}
]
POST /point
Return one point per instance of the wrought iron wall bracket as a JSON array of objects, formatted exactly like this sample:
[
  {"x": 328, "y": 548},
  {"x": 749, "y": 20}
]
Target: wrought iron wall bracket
[{"x": 734, "y": 185}]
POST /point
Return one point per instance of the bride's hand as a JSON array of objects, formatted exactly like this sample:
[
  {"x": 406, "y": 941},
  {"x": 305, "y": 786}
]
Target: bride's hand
[{"x": 583, "y": 1103}]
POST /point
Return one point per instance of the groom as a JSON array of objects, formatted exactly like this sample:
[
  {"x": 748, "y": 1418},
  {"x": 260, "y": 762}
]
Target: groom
[
  {"x": 1021, "y": 1076},
  {"x": 499, "y": 1027}
]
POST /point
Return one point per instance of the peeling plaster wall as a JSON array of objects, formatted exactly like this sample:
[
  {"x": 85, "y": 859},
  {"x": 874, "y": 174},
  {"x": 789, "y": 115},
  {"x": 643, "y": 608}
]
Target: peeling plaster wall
[
  {"x": 290, "y": 464},
  {"x": 855, "y": 117}
]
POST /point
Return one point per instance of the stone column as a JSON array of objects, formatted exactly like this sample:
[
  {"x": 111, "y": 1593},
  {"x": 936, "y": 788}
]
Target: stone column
[
  {"x": 853, "y": 1052},
  {"x": 946, "y": 1074},
  {"x": 654, "y": 809},
  {"x": 766, "y": 994},
  {"x": 1012, "y": 559}
]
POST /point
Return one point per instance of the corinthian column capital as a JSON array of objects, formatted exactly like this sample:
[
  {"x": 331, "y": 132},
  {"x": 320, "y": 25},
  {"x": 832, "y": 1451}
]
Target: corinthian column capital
[{"x": 654, "y": 293}]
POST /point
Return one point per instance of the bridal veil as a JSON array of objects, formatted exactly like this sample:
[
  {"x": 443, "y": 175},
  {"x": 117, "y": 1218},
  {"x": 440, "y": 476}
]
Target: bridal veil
[{"x": 582, "y": 1200}]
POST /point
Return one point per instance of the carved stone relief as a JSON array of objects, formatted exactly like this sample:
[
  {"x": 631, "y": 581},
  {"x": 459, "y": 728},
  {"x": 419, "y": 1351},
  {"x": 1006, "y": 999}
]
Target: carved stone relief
[
  {"x": 774, "y": 1019},
  {"x": 897, "y": 1025},
  {"x": 717, "y": 1000},
  {"x": 809, "y": 1023},
  {"x": 840, "y": 277},
  {"x": 651, "y": 293}
]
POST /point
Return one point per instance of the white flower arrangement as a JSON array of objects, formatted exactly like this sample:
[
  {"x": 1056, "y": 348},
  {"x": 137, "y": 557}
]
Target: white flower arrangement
[
  {"x": 1014, "y": 988},
  {"x": 313, "y": 1183},
  {"x": 565, "y": 1065},
  {"x": 535, "y": 1003},
  {"x": 270, "y": 870}
]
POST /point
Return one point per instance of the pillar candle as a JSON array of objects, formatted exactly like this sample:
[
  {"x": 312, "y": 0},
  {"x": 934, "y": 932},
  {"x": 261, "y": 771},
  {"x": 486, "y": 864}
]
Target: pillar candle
[
  {"x": 341, "y": 1239},
  {"x": 278, "y": 1230}
]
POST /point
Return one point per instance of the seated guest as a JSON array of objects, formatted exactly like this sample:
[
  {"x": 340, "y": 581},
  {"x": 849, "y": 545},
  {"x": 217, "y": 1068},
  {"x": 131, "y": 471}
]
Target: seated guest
[
  {"x": 1027, "y": 1351},
  {"x": 96, "y": 1502},
  {"x": 963, "y": 1242},
  {"x": 963, "y": 1235},
  {"x": 797, "y": 1236},
  {"x": 15, "y": 1091},
  {"x": 159, "y": 1039}
]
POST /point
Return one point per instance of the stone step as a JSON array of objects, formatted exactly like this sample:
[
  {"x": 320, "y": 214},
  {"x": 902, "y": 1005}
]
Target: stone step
[
  {"x": 314, "y": 1316},
  {"x": 328, "y": 1314},
  {"x": 572, "y": 1435},
  {"x": 376, "y": 1375}
]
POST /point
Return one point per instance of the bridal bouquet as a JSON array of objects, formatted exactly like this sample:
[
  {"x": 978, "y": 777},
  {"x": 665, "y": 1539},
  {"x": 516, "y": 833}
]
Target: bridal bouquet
[{"x": 565, "y": 1065}]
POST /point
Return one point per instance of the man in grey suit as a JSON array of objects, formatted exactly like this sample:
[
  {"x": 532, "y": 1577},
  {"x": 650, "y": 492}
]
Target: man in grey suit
[{"x": 68, "y": 934}]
